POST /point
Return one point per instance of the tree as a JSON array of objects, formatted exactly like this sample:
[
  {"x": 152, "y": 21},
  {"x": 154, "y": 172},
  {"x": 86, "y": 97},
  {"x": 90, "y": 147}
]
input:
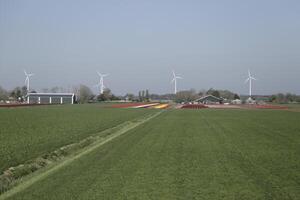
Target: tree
[
  {"x": 226, "y": 94},
  {"x": 273, "y": 98},
  {"x": 186, "y": 96},
  {"x": 236, "y": 96},
  {"x": 24, "y": 91},
  {"x": 210, "y": 91},
  {"x": 143, "y": 95},
  {"x": 105, "y": 96},
  {"x": 16, "y": 93},
  {"x": 140, "y": 96},
  {"x": 55, "y": 89},
  {"x": 213, "y": 92},
  {"x": 284, "y": 98},
  {"x": 201, "y": 93},
  {"x": 147, "y": 95},
  {"x": 85, "y": 94},
  {"x": 281, "y": 98},
  {"x": 115, "y": 98},
  {"x": 3, "y": 94},
  {"x": 216, "y": 93},
  {"x": 129, "y": 97},
  {"x": 289, "y": 97}
]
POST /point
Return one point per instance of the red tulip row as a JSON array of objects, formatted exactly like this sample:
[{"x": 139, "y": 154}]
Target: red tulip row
[{"x": 194, "y": 106}]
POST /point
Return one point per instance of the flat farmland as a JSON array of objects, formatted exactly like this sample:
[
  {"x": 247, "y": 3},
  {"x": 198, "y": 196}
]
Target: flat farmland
[
  {"x": 186, "y": 154},
  {"x": 28, "y": 132}
]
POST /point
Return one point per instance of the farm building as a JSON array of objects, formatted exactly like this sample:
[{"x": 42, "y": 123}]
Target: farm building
[
  {"x": 209, "y": 99},
  {"x": 236, "y": 101},
  {"x": 50, "y": 98}
]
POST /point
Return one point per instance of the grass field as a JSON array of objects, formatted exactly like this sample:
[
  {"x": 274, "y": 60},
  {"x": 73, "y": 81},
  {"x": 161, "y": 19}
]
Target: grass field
[
  {"x": 187, "y": 154},
  {"x": 294, "y": 107},
  {"x": 27, "y": 133}
]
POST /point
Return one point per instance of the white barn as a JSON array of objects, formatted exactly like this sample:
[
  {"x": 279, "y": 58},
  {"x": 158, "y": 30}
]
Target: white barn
[{"x": 50, "y": 98}]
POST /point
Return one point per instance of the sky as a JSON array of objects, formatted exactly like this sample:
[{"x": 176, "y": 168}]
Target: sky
[{"x": 210, "y": 43}]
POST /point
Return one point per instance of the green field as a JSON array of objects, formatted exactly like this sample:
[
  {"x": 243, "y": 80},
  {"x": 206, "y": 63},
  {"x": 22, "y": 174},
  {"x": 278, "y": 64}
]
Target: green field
[
  {"x": 26, "y": 133},
  {"x": 185, "y": 154}
]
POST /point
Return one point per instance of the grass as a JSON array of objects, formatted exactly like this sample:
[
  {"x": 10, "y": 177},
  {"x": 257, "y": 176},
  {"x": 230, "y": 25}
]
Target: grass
[
  {"x": 188, "y": 154},
  {"x": 293, "y": 107},
  {"x": 26, "y": 133}
]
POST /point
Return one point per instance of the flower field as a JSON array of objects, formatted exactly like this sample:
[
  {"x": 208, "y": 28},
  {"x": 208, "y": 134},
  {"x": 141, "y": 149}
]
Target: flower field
[
  {"x": 141, "y": 105},
  {"x": 194, "y": 106},
  {"x": 162, "y": 106}
]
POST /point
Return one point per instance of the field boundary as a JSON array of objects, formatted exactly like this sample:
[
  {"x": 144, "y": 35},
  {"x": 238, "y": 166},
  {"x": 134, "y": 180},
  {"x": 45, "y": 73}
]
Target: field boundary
[
  {"x": 16, "y": 179},
  {"x": 24, "y": 105}
]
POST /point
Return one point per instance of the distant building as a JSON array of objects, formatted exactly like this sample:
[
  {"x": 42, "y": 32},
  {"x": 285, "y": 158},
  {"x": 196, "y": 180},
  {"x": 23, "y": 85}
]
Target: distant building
[
  {"x": 250, "y": 101},
  {"x": 209, "y": 99},
  {"x": 50, "y": 98},
  {"x": 236, "y": 101}
]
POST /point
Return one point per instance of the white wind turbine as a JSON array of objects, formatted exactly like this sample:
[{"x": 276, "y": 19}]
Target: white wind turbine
[
  {"x": 101, "y": 82},
  {"x": 249, "y": 79},
  {"x": 27, "y": 80},
  {"x": 175, "y": 81}
]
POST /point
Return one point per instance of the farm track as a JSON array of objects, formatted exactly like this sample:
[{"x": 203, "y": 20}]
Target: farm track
[{"x": 52, "y": 168}]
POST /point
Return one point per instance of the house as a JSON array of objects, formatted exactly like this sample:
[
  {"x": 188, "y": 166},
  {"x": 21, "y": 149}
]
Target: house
[
  {"x": 209, "y": 99},
  {"x": 236, "y": 101}
]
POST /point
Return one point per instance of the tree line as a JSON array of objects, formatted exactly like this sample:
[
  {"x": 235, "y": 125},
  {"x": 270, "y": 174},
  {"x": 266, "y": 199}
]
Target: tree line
[
  {"x": 192, "y": 95},
  {"x": 84, "y": 95},
  {"x": 284, "y": 98},
  {"x": 17, "y": 94}
]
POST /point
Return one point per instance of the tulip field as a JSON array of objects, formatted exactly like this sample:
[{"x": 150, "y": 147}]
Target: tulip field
[{"x": 158, "y": 154}]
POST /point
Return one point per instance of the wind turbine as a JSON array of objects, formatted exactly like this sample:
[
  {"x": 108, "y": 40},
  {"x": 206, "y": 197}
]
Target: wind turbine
[
  {"x": 101, "y": 82},
  {"x": 27, "y": 80},
  {"x": 249, "y": 79},
  {"x": 175, "y": 81}
]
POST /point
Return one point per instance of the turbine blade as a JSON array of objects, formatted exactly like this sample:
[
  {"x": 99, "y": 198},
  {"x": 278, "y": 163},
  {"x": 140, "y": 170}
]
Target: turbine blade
[
  {"x": 249, "y": 74},
  {"x": 179, "y": 77},
  {"x": 247, "y": 80},
  {"x": 25, "y": 72},
  {"x": 173, "y": 73}
]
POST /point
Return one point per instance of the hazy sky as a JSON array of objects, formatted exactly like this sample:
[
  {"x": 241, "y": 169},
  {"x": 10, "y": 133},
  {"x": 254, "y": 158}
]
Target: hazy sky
[{"x": 209, "y": 43}]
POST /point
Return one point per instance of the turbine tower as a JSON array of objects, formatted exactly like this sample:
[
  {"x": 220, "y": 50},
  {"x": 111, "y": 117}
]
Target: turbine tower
[
  {"x": 27, "y": 80},
  {"x": 249, "y": 79},
  {"x": 175, "y": 81},
  {"x": 101, "y": 82}
]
